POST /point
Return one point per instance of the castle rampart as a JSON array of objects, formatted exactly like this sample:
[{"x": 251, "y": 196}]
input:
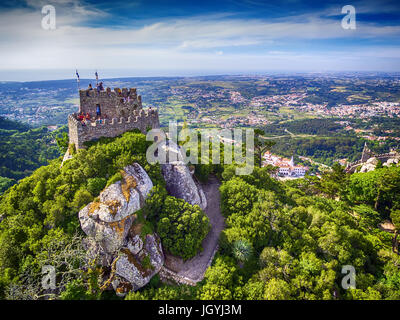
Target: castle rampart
[
  {"x": 112, "y": 103},
  {"x": 383, "y": 157},
  {"x": 109, "y": 113}
]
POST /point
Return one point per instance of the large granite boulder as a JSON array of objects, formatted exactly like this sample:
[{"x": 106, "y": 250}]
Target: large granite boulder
[
  {"x": 369, "y": 165},
  {"x": 372, "y": 160},
  {"x": 392, "y": 161},
  {"x": 109, "y": 219},
  {"x": 179, "y": 180},
  {"x": 138, "y": 268},
  {"x": 115, "y": 235}
]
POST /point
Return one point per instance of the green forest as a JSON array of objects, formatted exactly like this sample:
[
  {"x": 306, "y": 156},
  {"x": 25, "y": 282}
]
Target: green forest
[
  {"x": 39, "y": 219},
  {"x": 290, "y": 240},
  {"x": 326, "y": 141},
  {"x": 283, "y": 240},
  {"x": 24, "y": 149}
]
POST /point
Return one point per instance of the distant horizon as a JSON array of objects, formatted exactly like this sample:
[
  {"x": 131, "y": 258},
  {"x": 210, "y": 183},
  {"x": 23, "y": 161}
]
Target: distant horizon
[
  {"x": 181, "y": 38},
  {"x": 87, "y": 75}
]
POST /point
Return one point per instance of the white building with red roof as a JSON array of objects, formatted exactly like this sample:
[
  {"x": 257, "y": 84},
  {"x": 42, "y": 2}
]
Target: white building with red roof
[{"x": 285, "y": 166}]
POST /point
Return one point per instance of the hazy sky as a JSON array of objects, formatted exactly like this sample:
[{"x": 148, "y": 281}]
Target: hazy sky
[{"x": 139, "y": 38}]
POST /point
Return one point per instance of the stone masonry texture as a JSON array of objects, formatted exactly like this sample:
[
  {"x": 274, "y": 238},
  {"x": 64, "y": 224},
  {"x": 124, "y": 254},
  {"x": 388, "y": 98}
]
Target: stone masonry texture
[{"x": 121, "y": 111}]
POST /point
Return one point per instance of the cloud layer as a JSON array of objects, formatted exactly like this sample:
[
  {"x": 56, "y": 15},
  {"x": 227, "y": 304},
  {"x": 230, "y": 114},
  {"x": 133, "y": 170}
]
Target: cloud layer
[{"x": 313, "y": 41}]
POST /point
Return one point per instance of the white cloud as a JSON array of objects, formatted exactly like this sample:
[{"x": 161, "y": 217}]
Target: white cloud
[
  {"x": 194, "y": 42},
  {"x": 73, "y": 6}
]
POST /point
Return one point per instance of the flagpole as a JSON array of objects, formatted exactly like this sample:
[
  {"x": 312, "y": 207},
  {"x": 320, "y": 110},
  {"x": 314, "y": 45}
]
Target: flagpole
[
  {"x": 78, "y": 83},
  {"x": 78, "y": 80}
]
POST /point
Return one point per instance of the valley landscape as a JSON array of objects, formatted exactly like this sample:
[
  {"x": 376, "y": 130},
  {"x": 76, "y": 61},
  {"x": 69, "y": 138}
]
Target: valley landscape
[{"x": 284, "y": 183}]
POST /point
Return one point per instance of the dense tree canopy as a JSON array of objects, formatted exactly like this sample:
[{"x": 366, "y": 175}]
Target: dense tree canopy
[
  {"x": 24, "y": 149},
  {"x": 290, "y": 240},
  {"x": 283, "y": 240},
  {"x": 44, "y": 206},
  {"x": 182, "y": 227}
]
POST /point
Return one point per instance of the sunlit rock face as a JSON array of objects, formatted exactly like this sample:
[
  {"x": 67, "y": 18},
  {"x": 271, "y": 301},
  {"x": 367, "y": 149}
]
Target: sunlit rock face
[
  {"x": 109, "y": 219},
  {"x": 179, "y": 181},
  {"x": 139, "y": 268},
  {"x": 114, "y": 233},
  {"x": 390, "y": 162},
  {"x": 369, "y": 165}
]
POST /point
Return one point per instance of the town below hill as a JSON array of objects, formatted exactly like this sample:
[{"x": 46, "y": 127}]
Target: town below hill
[
  {"x": 317, "y": 119},
  {"x": 221, "y": 101}
]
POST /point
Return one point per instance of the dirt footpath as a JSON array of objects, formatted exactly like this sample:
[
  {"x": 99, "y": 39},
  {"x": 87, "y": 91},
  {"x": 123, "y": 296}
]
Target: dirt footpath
[{"x": 195, "y": 268}]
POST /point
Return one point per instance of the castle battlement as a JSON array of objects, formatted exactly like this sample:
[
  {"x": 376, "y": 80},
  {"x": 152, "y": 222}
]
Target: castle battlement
[
  {"x": 109, "y": 93},
  {"x": 117, "y": 102},
  {"x": 367, "y": 154},
  {"x": 137, "y": 116},
  {"x": 109, "y": 113}
]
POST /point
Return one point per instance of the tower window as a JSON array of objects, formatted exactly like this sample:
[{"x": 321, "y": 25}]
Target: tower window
[{"x": 98, "y": 110}]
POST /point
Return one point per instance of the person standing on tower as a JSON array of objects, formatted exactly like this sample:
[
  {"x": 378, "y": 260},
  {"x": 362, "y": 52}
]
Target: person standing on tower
[{"x": 88, "y": 89}]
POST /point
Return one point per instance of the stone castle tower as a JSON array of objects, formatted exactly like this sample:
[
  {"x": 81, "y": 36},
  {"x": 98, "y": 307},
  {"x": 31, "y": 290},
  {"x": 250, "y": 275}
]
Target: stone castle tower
[
  {"x": 109, "y": 114},
  {"x": 366, "y": 153}
]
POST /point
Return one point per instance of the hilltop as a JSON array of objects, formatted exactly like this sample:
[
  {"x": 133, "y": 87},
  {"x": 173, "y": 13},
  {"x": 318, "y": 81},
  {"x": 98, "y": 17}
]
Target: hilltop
[
  {"x": 282, "y": 240},
  {"x": 40, "y": 214}
]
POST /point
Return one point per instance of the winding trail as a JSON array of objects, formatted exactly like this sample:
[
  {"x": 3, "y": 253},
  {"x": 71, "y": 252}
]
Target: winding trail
[{"x": 195, "y": 268}]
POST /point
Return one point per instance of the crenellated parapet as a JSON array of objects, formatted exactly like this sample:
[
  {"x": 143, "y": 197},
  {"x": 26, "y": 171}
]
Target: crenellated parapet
[
  {"x": 117, "y": 102},
  {"x": 109, "y": 113},
  {"x": 109, "y": 93}
]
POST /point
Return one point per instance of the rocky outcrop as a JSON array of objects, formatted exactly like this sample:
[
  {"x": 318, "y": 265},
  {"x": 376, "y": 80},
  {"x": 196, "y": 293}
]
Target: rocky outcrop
[
  {"x": 390, "y": 162},
  {"x": 135, "y": 245},
  {"x": 369, "y": 165},
  {"x": 108, "y": 220},
  {"x": 114, "y": 232},
  {"x": 139, "y": 268},
  {"x": 179, "y": 181},
  {"x": 66, "y": 157}
]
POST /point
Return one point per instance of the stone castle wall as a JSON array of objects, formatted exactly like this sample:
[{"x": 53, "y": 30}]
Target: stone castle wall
[
  {"x": 142, "y": 120},
  {"x": 117, "y": 103},
  {"x": 383, "y": 157}
]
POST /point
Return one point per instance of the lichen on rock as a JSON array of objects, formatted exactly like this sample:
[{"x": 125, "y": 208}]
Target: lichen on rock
[
  {"x": 130, "y": 266},
  {"x": 113, "y": 205},
  {"x": 108, "y": 224}
]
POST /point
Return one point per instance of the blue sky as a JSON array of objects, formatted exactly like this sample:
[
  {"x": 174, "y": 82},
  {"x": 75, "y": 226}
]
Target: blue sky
[{"x": 146, "y": 37}]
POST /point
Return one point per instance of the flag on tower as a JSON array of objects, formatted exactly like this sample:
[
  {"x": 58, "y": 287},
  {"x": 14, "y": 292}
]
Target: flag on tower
[{"x": 77, "y": 78}]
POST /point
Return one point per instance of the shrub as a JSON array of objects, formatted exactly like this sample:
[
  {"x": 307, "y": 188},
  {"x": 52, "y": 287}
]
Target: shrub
[
  {"x": 113, "y": 179},
  {"x": 95, "y": 185},
  {"x": 182, "y": 227},
  {"x": 242, "y": 250}
]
